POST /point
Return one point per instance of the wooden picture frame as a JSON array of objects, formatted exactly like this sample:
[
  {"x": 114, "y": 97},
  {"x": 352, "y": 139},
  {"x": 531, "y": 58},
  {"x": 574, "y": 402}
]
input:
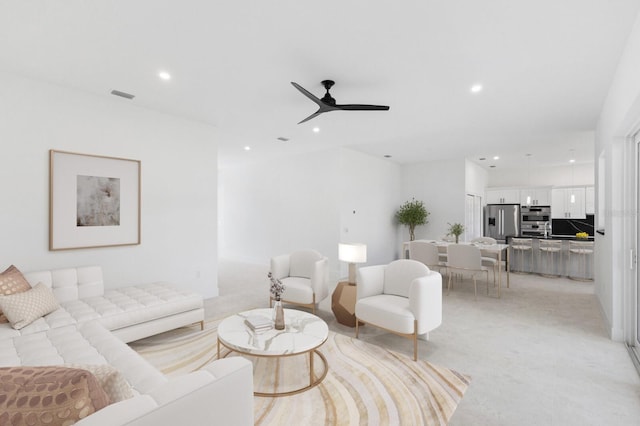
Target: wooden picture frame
[{"x": 94, "y": 201}]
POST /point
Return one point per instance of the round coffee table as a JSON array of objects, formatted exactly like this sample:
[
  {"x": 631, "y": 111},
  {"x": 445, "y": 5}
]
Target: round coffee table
[{"x": 303, "y": 333}]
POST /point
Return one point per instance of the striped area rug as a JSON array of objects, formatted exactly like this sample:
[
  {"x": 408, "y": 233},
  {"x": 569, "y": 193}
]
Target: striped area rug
[{"x": 365, "y": 384}]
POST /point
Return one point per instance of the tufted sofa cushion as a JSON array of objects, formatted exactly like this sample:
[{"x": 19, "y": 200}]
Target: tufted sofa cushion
[
  {"x": 117, "y": 309},
  {"x": 88, "y": 343},
  {"x": 133, "y": 305}
]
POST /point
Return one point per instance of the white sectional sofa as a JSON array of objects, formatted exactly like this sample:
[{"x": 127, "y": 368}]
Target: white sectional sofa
[{"x": 90, "y": 328}]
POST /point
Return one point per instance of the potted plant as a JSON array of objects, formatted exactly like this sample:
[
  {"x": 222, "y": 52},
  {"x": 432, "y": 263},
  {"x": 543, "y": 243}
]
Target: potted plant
[
  {"x": 412, "y": 213},
  {"x": 456, "y": 229}
]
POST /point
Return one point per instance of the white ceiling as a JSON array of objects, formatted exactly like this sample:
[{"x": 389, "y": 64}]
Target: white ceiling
[{"x": 545, "y": 67}]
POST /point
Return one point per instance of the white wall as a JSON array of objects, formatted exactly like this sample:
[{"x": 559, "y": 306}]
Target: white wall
[
  {"x": 476, "y": 179},
  {"x": 179, "y": 187},
  {"x": 368, "y": 203},
  {"x": 274, "y": 207},
  {"x": 619, "y": 119},
  {"x": 578, "y": 174},
  {"x": 307, "y": 201},
  {"x": 441, "y": 186}
]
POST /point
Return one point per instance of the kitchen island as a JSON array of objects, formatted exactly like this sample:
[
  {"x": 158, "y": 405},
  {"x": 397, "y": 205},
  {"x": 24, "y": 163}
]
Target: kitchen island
[{"x": 571, "y": 260}]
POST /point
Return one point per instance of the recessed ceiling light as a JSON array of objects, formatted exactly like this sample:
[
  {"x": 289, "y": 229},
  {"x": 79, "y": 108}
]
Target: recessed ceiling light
[
  {"x": 572, "y": 161},
  {"x": 316, "y": 129},
  {"x": 247, "y": 148},
  {"x": 476, "y": 88},
  {"x": 164, "y": 75},
  {"x": 496, "y": 158}
]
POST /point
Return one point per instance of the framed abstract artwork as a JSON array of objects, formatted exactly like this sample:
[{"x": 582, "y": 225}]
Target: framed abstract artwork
[{"x": 94, "y": 201}]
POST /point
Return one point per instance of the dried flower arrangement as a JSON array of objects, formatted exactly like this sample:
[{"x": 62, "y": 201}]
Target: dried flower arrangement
[{"x": 277, "y": 288}]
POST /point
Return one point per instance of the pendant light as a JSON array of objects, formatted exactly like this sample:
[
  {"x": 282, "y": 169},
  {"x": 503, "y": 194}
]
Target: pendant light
[
  {"x": 529, "y": 178},
  {"x": 572, "y": 198}
]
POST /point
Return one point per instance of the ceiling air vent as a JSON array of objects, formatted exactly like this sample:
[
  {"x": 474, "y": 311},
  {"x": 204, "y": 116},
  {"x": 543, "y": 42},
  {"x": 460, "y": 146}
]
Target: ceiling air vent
[
  {"x": 283, "y": 139},
  {"x": 122, "y": 94}
]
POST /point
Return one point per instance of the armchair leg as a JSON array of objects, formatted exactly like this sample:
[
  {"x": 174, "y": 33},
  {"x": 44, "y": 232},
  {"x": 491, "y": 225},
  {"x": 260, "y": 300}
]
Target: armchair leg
[
  {"x": 357, "y": 327},
  {"x": 415, "y": 340}
]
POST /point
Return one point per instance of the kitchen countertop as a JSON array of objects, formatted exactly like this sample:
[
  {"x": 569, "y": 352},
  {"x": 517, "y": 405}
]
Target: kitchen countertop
[{"x": 560, "y": 237}]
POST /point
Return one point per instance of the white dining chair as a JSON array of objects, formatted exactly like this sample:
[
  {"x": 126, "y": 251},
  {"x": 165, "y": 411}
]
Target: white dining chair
[
  {"x": 465, "y": 259},
  {"x": 425, "y": 252},
  {"x": 489, "y": 260}
]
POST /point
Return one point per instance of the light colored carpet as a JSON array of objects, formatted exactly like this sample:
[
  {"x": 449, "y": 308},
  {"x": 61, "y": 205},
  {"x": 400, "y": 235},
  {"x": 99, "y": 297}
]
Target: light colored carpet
[{"x": 365, "y": 384}]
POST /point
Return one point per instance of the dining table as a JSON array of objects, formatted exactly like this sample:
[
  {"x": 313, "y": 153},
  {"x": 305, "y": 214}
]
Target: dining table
[{"x": 486, "y": 250}]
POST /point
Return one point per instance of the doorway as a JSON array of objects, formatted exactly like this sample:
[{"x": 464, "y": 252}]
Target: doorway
[{"x": 473, "y": 217}]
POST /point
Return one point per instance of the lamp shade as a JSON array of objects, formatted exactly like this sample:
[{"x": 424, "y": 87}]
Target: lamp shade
[{"x": 352, "y": 252}]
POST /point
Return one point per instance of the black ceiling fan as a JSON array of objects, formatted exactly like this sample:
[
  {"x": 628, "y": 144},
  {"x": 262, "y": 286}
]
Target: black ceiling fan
[{"x": 328, "y": 103}]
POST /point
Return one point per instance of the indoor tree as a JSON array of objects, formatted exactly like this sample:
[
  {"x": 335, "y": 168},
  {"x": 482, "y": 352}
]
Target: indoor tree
[{"x": 412, "y": 213}]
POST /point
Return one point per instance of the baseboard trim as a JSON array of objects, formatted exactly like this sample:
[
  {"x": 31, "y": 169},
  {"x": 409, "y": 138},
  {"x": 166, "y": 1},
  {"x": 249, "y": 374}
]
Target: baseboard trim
[
  {"x": 615, "y": 334},
  {"x": 635, "y": 357}
]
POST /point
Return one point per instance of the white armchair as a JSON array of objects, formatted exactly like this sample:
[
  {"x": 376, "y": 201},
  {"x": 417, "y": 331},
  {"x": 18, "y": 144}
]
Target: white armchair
[
  {"x": 403, "y": 297},
  {"x": 304, "y": 274}
]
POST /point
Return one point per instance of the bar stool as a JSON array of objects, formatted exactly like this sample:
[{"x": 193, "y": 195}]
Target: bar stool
[
  {"x": 520, "y": 246},
  {"x": 549, "y": 249},
  {"x": 582, "y": 249}
]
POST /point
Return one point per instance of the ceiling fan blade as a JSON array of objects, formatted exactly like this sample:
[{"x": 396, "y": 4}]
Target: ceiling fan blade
[
  {"x": 358, "y": 107},
  {"x": 315, "y": 114},
  {"x": 308, "y": 94}
]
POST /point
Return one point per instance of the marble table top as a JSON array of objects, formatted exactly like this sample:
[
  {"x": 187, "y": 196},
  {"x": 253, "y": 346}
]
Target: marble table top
[{"x": 303, "y": 332}]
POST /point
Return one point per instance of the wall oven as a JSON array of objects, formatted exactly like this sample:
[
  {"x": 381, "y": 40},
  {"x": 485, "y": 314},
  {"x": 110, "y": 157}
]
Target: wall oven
[
  {"x": 535, "y": 213},
  {"x": 535, "y": 221}
]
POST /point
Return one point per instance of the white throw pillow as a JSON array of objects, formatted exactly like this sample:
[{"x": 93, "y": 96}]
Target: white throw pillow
[
  {"x": 111, "y": 380},
  {"x": 21, "y": 309}
]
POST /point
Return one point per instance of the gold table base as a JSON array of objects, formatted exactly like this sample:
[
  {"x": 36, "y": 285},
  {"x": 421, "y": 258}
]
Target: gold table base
[{"x": 313, "y": 379}]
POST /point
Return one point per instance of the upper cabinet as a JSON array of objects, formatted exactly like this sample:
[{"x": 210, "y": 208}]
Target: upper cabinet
[
  {"x": 568, "y": 203},
  {"x": 590, "y": 202},
  {"x": 503, "y": 196},
  {"x": 535, "y": 197}
]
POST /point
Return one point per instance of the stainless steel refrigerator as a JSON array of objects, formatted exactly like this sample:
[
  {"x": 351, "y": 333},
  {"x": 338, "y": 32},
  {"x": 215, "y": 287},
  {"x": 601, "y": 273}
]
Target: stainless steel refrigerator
[{"x": 501, "y": 221}]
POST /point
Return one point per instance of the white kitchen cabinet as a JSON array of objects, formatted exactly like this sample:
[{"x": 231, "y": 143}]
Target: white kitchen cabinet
[
  {"x": 568, "y": 203},
  {"x": 590, "y": 200},
  {"x": 535, "y": 197},
  {"x": 502, "y": 196}
]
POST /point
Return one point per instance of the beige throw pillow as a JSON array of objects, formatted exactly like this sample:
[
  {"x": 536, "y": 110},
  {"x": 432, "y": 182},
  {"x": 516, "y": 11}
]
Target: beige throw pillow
[
  {"x": 24, "y": 308},
  {"x": 112, "y": 381},
  {"x": 11, "y": 282}
]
